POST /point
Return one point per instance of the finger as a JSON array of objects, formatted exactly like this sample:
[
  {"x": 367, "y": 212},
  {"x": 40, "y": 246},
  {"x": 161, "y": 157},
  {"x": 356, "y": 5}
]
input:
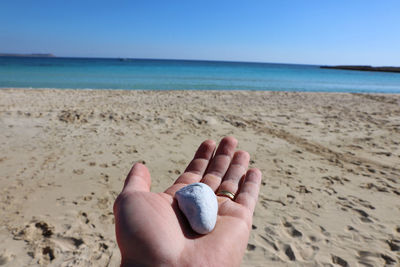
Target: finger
[
  {"x": 220, "y": 162},
  {"x": 248, "y": 192},
  {"x": 138, "y": 179},
  {"x": 237, "y": 169},
  {"x": 196, "y": 168}
]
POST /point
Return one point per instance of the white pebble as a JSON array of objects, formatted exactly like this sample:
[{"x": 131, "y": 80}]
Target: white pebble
[{"x": 199, "y": 204}]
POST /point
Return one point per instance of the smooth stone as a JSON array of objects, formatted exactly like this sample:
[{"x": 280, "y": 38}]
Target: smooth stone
[{"x": 199, "y": 204}]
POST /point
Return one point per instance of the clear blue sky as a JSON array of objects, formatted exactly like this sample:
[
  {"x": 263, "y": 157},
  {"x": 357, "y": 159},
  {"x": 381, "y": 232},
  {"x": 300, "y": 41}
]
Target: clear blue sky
[{"x": 297, "y": 31}]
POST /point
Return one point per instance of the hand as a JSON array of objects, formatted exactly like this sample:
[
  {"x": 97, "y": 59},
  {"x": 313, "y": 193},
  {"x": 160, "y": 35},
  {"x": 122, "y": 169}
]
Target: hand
[{"x": 152, "y": 231}]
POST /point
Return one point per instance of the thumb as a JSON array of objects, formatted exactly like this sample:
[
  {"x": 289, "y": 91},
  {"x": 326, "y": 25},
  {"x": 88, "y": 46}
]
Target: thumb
[{"x": 138, "y": 179}]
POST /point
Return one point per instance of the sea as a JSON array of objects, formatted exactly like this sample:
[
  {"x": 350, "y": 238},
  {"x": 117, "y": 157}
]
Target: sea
[{"x": 156, "y": 74}]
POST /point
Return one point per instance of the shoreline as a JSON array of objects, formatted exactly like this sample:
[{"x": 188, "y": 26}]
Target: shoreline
[
  {"x": 195, "y": 90},
  {"x": 329, "y": 163}
]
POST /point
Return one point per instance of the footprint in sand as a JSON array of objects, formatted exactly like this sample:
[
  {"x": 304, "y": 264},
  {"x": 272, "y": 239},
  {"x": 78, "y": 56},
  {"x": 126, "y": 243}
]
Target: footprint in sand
[
  {"x": 393, "y": 244},
  {"x": 251, "y": 247},
  {"x": 364, "y": 216},
  {"x": 289, "y": 252},
  {"x": 68, "y": 243},
  {"x": 84, "y": 217},
  {"x": 291, "y": 230},
  {"x": 78, "y": 171},
  {"x": 338, "y": 260},
  {"x": 105, "y": 177},
  {"x": 6, "y": 257},
  {"x": 38, "y": 235},
  {"x": 388, "y": 260}
]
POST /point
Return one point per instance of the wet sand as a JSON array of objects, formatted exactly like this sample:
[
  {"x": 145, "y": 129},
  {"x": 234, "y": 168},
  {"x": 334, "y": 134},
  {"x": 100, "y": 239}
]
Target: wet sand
[{"x": 330, "y": 194}]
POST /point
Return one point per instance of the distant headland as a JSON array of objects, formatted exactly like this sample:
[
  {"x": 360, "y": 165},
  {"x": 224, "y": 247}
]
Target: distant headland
[
  {"x": 363, "y": 68},
  {"x": 25, "y": 55}
]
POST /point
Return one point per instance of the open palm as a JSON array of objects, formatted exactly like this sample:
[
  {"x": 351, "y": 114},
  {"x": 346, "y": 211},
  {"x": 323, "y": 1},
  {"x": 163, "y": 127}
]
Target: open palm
[{"x": 152, "y": 231}]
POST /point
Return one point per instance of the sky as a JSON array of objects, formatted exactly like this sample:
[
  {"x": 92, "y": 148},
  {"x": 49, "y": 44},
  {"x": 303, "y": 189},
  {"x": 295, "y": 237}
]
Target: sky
[{"x": 363, "y": 32}]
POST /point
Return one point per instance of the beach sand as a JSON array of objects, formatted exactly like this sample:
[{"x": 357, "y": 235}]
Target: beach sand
[{"x": 330, "y": 194}]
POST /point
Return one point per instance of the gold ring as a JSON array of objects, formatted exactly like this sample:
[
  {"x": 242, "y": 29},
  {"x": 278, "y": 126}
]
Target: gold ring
[{"x": 224, "y": 193}]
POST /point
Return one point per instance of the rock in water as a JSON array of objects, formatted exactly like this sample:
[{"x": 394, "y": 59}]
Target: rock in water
[{"x": 199, "y": 204}]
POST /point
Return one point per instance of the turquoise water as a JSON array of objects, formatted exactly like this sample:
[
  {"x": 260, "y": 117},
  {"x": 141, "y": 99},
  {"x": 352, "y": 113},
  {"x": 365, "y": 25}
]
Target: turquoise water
[{"x": 96, "y": 73}]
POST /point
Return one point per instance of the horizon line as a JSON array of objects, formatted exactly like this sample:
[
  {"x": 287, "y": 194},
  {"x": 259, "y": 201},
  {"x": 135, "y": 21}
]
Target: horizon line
[{"x": 51, "y": 55}]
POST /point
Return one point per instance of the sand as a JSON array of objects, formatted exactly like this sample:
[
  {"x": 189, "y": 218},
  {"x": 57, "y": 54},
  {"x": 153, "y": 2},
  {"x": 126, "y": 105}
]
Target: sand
[{"x": 330, "y": 194}]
